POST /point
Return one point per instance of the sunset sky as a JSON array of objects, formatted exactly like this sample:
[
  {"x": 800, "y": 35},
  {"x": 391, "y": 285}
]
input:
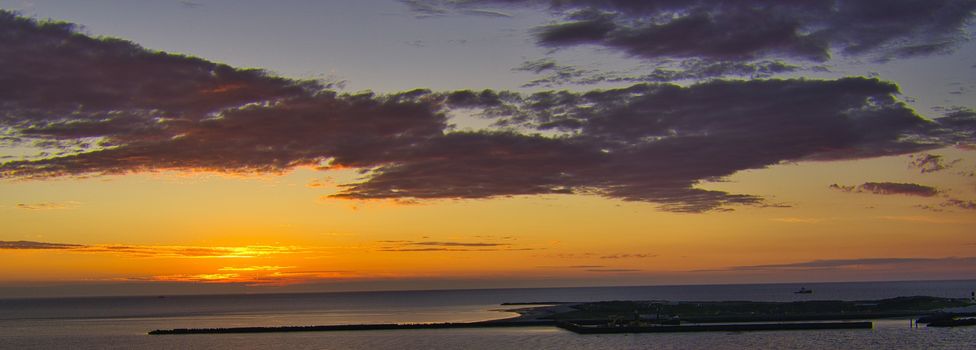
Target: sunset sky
[{"x": 273, "y": 146}]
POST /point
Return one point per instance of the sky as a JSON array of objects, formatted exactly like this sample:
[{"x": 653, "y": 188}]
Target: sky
[{"x": 172, "y": 147}]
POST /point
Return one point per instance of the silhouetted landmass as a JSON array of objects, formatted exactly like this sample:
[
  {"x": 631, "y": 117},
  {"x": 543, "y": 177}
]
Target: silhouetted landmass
[
  {"x": 735, "y": 327},
  {"x": 750, "y": 311},
  {"x": 664, "y": 316},
  {"x": 954, "y": 322}
]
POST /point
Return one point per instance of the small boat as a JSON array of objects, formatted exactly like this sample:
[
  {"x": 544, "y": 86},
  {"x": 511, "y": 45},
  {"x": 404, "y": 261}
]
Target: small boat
[{"x": 804, "y": 291}]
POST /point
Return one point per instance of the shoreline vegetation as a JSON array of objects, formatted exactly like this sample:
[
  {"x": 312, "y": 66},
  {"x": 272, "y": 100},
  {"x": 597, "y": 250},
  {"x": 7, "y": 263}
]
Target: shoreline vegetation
[{"x": 666, "y": 316}]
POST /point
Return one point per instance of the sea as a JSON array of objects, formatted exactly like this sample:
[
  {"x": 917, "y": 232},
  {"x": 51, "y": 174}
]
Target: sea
[{"x": 123, "y": 322}]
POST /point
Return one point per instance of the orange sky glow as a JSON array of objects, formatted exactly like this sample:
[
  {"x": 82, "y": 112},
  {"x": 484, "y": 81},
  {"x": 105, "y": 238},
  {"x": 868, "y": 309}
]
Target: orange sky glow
[{"x": 426, "y": 149}]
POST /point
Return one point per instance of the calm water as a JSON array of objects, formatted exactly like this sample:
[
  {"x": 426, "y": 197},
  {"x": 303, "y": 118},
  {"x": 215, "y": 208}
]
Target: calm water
[{"x": 122, "y": 322}]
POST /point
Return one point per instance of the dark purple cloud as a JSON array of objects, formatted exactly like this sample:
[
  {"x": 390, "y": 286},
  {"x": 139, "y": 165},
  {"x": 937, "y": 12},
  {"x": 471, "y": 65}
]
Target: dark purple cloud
[
  {"x": 649, "y": 142},
  {"x": 480, "y": 165},
  {"x": 722, "y": 30},
  {"x": 732, "y": 33},
  {"x": 909, "y": 189},
  {"x": 350, "y": 130},
  {"x": 656, "y": 142},
  {"x": 59, "y": 72},
  {"x": 899, "y": 188},
  {"x": 959, "y": 125}
]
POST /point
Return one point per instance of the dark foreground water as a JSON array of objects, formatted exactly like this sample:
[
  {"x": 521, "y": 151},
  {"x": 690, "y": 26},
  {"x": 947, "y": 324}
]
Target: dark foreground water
[{"x": 122, "y": 322}]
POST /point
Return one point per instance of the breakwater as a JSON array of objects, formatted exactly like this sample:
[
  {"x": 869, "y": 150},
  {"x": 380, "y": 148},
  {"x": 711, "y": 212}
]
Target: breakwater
[{"x": 354, "y": 327}]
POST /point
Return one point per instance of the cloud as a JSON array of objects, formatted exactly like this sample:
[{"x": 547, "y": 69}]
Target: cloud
[
  {"x": 888, "y": 188},
  {"x": 105, "y": 83},
  {"x": 959, "y": 125},
  {"x": 719, "y": 30},
  {"x": 452, "y": 249},
  {"x": 573, "y": 267},
  {"x": 628, "y": 256},
  {"x": 444, "y": 244},
  {"x": 648, "y": 142},
  {"x": 106, "y": 106},
  {"x": 188, "y": 251},
  {"x": 899, "y": 188},
  {"x": 348, "y": 130},
  {"x": 928, "y": 163},
  {"x": 487, "y": 13},
  {"x": 613, "y": 270},
  {"x": 477, "y": 165},
  {"x": 268, "y": 277},
  {"x": 423, "y": 8},
  {"x": 437, "y": 8},
  {"x": 203, "y": 278},
  {"x": 855, "y": 263},
  {"x": 458, "y": 244},
  {"x": 691, "y": 70},
  {"x": 843, "y": 188},
  {"x": 433, "y": 246},
  {"x": 959, "y": 203},
  {"x": 190, "y": 4},
  {"x": 698, "y": 69},
  {"x": 47, "y": 205},
  {"x": 150, "y": 251},
  {"x": 255, "y": 268},
  {"x": 37, "y": 245}
]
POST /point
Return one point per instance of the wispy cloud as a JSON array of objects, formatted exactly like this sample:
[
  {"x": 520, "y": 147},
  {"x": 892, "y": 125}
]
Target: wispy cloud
[
  {"x": 487, "y": 13},
  {"x": 437, "y": 8},
  {"x": 929, "y": 163},
  {"x": 613, "y": 270},
  {"x": 203, "y": 277},
  {"x": 573, "y": 267},
  {"x": 37, "y": 245},
  {"x": 959, "y": 203},
  {"x": 256, "y": 268},
  {"x": 554, "y": 74},
  {"x": 628, "y": 256},
  {"x": 48, "y": 205},
  {"x": 446, "y": 246},
  {"x": 458, "y": 244},
  {"x": 270, "y": 278},
  {"x": 910, "y": 189},
  {"x": 856, "y": 263},
  {"x": 150, "y": 251}
]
